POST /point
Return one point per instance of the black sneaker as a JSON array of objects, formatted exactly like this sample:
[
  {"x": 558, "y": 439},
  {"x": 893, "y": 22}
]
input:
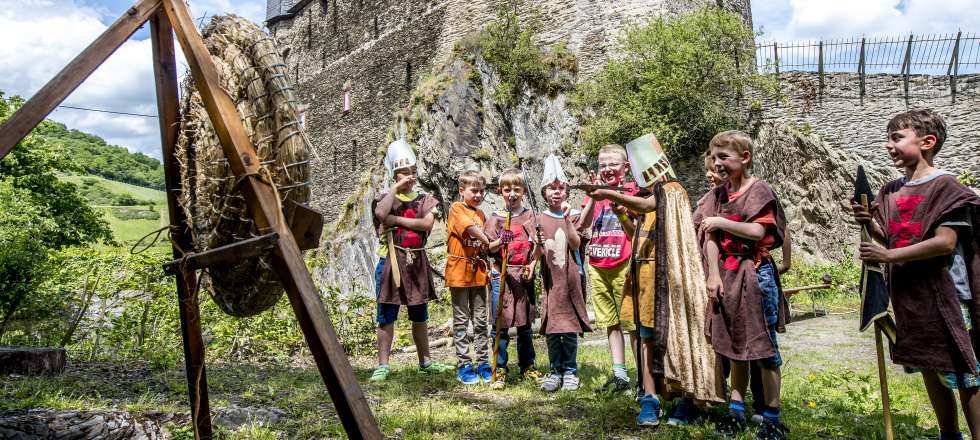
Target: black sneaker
[
  {"x": 730, "y": 424},
  {"x": 613, "y": 385},
  {"x": 772, "y": 431}
]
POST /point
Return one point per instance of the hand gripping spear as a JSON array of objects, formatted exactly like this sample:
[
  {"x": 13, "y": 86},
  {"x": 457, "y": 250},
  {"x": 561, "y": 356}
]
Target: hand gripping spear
[{"x": 874, "y": 298}]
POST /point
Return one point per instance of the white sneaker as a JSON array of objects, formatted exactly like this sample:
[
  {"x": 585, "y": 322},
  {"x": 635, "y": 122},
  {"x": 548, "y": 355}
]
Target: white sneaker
[
  {"x": 551, "y": 383},
  {"x": 569, "y": 382}
]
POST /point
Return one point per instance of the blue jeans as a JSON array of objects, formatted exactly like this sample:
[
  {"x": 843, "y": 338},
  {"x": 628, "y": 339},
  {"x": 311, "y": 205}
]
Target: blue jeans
[
  {"x": 770, "y": 309},
  {"x": 562, "y": 348},
  {"x": 388, "y": 313}
]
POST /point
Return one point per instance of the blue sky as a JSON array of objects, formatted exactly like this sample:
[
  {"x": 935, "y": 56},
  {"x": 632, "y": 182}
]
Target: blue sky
[{"x": 38, "y": 37}]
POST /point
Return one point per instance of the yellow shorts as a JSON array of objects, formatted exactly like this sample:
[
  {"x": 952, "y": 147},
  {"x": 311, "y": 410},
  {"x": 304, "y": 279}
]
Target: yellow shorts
[{"x": 607, "y": 295}]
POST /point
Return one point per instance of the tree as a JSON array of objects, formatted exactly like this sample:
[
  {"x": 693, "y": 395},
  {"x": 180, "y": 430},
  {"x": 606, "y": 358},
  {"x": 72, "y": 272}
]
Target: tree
[
  {"x": 39, "y": 214},
  {"x": 680, "y": 78}
]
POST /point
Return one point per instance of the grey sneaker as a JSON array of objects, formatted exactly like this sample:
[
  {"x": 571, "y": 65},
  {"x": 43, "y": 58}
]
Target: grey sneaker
[
  {"x": 551, "y": 383},
  {"x": 569, "y": 382}
]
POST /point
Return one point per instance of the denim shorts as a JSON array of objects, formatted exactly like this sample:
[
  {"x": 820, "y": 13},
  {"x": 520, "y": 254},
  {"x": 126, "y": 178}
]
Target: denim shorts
[
  {"x": 770, "y": 310},
  {"x": 388, "y": 313}
]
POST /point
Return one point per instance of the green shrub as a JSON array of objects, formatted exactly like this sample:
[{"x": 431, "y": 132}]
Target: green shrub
[{"x": 681, "y": 79}]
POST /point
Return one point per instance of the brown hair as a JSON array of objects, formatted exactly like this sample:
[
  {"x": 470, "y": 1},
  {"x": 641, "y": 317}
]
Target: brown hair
[
  {"x": 735, "y": 140},
  {"x": 471, "y": 178},
  {"x": 708, "y": 162},
  {"x": 614, "y": 148},
  {"x": 511, "y": 177},
  {"x": 924, "y": 122}
]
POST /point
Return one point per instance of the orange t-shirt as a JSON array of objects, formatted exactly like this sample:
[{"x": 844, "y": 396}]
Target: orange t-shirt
[{"x": 464, "y": 267}]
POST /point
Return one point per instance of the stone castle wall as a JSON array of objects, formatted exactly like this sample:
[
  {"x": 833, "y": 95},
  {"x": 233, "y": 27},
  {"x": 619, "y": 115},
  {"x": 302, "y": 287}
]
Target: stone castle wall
[
  {"x": 378, "y": 50},
  {"x": 857, "y": 126}
]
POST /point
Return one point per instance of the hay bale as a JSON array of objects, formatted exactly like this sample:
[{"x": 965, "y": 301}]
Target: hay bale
[{"x": 251, "y": 70}]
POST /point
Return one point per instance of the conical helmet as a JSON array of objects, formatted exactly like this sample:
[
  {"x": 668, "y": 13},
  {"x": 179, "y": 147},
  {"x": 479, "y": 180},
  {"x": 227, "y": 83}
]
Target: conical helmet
[
  {"x": 552, "y": 171},
  {"x": 399, "y": 155},
  {"x": 648, "y": 162}
]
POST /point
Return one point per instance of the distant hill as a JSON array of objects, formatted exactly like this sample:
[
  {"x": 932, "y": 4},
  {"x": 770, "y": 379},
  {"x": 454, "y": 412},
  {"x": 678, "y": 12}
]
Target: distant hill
[{"x": 99, "y": 158}]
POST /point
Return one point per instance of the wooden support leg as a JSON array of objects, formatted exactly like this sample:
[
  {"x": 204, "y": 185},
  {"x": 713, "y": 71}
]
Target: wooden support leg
[
  {"x": 165, "y": 73},
  {"x": 883, "y": 382}
]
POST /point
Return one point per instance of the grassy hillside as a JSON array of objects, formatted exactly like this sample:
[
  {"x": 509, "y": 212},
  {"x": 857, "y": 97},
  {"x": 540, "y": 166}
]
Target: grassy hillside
[{"x": 132, "y": 211}]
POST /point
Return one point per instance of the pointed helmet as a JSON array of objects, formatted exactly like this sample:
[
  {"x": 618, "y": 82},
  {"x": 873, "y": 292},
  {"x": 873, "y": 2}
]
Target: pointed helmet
[
  {"x": 648, "y": 161},
  {"x": 552, "y": 171},
  {"x": 399, "y": 155}
]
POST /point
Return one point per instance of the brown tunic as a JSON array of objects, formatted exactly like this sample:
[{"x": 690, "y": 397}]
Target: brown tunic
[
  {"x": 736, "y": 324},
  {"x": 563, "y": 304},
  {"x": 516, "y": 310},
  {"x": 931, "y": 332},
  {"x": 413, "y": 263}
]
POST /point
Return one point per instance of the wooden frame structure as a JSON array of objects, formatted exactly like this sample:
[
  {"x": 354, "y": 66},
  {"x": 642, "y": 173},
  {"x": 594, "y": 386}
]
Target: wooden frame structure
[{"x": 168, "y": 18}]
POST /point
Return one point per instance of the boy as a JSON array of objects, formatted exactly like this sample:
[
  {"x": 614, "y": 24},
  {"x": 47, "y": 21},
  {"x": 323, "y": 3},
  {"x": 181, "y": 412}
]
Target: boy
[
  {"x": 466, "y": 277},
  {"x": 669, "y": 282},
  {"x": 563, "y": 314},
  {"x": 609, "y": 252},
  {"x": 404, "y": 218},
  {"x": 741, "y": 224},
  {"x": 929, "y": 222},
  {"x": 517, "y": 304}
]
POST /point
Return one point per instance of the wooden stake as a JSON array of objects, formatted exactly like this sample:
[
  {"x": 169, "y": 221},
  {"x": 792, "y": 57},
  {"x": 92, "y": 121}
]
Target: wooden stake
[
  {"x": 883, "y": 382},
  {"x": 165, "y": 73},
  {"x": 504, "y": 254},
  {"x": 331, "y": 360}
]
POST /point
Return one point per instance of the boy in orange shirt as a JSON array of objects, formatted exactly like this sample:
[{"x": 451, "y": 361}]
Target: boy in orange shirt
[{"x": 466, "y": 277}]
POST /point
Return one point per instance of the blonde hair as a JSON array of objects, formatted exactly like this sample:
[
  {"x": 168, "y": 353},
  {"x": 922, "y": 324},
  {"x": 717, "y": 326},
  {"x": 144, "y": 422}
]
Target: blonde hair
[
  {"x": 511, "y": 177},
  {"x": 471, "y": 178},
  {"x": 614, "y": 148},
  {"x": 735, "y": 140}
]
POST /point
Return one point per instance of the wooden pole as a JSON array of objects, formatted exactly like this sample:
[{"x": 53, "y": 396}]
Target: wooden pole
[
  {"x": 883, "y": 382},
  {"x": 907, "y": 69},
  {"x": 338, "y": 376},
  {"x": 504, "y": 254},
  {"x": 165, "y": 73},
  {"x": 55, "y": 91}
]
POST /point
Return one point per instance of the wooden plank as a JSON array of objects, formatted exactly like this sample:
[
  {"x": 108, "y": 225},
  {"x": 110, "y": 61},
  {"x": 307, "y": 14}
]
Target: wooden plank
[
  {"x": 338, "y": 376},
  {"x": 307, "y": 226},
  {"x": 165, "y": 73},
  {"x": 226, "y": 254},
  {"x": 55, "y": 91}
]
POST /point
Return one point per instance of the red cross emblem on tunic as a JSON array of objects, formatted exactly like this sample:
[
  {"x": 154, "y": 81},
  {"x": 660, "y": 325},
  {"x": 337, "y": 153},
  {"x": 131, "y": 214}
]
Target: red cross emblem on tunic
[{"x": 904, "y": 230}]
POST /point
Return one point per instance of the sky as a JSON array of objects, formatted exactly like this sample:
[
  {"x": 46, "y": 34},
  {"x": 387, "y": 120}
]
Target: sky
[{"x": 38, "y": 37}]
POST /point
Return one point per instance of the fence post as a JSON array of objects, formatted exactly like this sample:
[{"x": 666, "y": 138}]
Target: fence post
[
  {"x": 907, "y": 69},
  {"x": 353, "y": 156},
  {"x": 954, "y": 66},
  {"x": 861, "y": 67},
  {"x": 775, "y": 57},
  {"x": 820, "y": 68}
]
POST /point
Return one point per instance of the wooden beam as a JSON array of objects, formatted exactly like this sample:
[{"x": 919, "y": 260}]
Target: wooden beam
[
  {"x": 861, "y": 69},
  {"x": 307, "y": 226},
  {"x": 222, "y": 255},
  {"x": 55, "y": 91},
  {"x": 352, "y": 408},
  {"x": 165, "y": 73}
]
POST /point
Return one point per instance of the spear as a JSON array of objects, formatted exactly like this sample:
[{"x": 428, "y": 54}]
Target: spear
[
  {"x": 874, "y": 299},
  {"x": 500, "y": 296}
]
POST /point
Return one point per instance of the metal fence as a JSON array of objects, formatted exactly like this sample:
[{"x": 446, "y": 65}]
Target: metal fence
[{"x": 945, "y": 55}]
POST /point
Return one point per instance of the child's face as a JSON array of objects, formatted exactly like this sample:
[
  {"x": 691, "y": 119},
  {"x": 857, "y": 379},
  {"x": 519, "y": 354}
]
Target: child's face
[
  {"x": 906, "y": 148},
  {"x": 472, "y": 195},
  {"x": 554, "y": 194},
  {"x": 513, "y": 195},
  {"x": 410, "y": 173},
  {"x": 612, "y": 168},
  {"x": 730, "y": 164},
  {"x": 714, "y": 179}
]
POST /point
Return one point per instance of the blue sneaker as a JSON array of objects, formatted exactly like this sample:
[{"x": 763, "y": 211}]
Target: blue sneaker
[
  {"x": 466, "y": 375},
  {"x": 649, "y": 411},
  {"x": 485, "y": 373},
  {"x": 684, "y": 413}
]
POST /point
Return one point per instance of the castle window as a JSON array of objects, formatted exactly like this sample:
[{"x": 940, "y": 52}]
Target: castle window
[{"x": 346, "y": 102}]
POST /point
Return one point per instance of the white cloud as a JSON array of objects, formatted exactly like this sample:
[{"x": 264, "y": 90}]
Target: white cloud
[
  {"x": 39, "y": 37},
  {"x": 825, "y": 19}
]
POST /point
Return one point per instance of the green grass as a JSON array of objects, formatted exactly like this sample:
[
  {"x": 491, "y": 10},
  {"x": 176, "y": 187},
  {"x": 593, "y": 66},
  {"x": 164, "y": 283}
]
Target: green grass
[
  {"x": 125, "y": 230},
  {"x": 830, "y": 390}
]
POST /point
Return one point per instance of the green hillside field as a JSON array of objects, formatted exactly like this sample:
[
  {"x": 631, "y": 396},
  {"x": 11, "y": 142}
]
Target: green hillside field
[{"x": 132, "y": 211}]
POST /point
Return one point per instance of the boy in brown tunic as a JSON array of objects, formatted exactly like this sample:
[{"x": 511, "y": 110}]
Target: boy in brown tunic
[
  {"x": 563, "y": 314},
  {"x": 928, "y": 222},
  {"x": 517, "y": 304},
  {"x": 404, "y": 218},
  {"x": 741, "y": 224}
]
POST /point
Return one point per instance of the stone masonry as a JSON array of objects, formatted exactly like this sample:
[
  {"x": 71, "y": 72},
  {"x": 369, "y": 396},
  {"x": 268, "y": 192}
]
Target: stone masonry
[{"x": 376, "y": 51}]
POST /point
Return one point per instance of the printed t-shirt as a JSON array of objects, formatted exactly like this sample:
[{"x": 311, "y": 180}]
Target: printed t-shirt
[
  {"x": 408, "y": 235},
  {"x": 464, "y": 267},
  {"x": 609, "y": 246}
]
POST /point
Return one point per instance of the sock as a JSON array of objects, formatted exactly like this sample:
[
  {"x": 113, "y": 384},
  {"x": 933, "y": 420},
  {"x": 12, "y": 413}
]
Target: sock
[
  {"x": 385, "y": 366},
  {"x": 425, "y": 364},
  {"x": 771, "y": 414},
  {"x": 737, "y": 407},
  {"x": 619, "y": 370},
  {"x": 950, "y": 436}
]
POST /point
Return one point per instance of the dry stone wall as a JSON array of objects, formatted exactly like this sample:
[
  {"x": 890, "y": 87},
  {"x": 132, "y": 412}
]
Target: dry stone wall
[{"x": 376, "y": 51}]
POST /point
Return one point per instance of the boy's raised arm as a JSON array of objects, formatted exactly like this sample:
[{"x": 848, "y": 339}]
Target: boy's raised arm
[
  {"x": 423, "y": 224},
  {"x": 633, "y": 203},
  {"x": 383, "y": 208}
]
